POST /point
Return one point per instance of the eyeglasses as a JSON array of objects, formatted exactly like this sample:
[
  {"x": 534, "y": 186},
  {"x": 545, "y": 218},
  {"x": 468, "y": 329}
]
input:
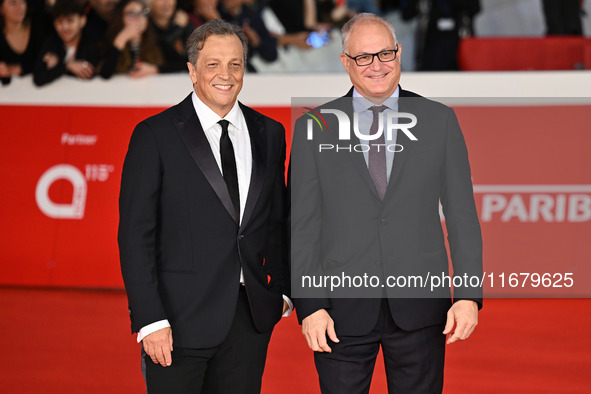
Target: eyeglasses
[
  {"x": 136, "y": 14},
  {"x": 367, "y": 58}
]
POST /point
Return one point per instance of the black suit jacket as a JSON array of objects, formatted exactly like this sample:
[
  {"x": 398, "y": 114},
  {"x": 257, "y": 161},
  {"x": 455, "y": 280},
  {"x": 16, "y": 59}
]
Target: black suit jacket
[
  {"x": 340, "y": 225},
  {"x": 181, "y": 247}
]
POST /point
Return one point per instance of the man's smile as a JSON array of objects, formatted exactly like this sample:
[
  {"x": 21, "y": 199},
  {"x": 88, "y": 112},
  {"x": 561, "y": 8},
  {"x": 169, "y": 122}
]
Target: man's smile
[
  {"x": 223, "y": 87},
  {"x": 377, "y": 76}
]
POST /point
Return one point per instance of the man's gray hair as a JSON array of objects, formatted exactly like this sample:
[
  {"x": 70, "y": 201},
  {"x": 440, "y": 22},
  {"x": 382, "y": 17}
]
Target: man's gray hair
[
  {"x": 214, "y": 27},
  {"x": 363, "y": 18}
]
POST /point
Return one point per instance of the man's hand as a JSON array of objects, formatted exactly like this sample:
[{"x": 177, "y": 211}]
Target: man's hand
[
  {"x": 8, "y": 70},
  {"x": 158, "y": 345},
  {"x": 81, "y": 68},
  {"x": 51, "y": 60},
  {"x": 15, "y": 69},
  {"x": 130, "y": 33},
  {"x": 143, "y": 69},
  {"x": 181, "y": 18},
  {"x": 464, "y": 314},
  {"x": 4, "y": 72},
  {"x": 315, "y": 328},
  {"x": 297, "y": 39}
]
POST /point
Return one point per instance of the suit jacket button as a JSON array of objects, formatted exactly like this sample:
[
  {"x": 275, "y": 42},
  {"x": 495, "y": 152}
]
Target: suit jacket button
[
  {"x": 241, "y": 236},
  {"x": 383, "y": 222},
  {"x": 378, "y": 262}
]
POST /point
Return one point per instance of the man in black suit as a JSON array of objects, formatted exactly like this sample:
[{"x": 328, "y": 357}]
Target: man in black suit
[
  {"x": 366, "y": 234},
  {"x": 202, "y": 228}
]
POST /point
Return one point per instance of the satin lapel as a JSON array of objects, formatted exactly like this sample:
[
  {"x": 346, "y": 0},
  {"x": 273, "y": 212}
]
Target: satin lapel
[
  {"x": 405, "y": 104},
  {"x": 258, "y": 146},
  {"x": 194, "y": 138}
]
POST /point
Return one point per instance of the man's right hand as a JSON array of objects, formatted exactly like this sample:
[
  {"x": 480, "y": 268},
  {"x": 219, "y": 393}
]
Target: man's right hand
[
  {"x": 158, "y": 345},
  {"x": 315, "y": 328}
]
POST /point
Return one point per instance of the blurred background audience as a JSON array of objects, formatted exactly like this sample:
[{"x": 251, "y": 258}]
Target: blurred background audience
[
  {"x": 441, "y": 25},
  {"x": 98, "y": 16},
  {"x": 173, "y": 28},
  {"x": 563, "y": 17},
  {"x": 21, "y": 39},
  {"x": 202, "y": 11},
  {"x": 132, "y": 46},
  {"x": 138, "y": 38},
  {"x": 260, "y": 41},
  {"x": 70, "y": 50}
]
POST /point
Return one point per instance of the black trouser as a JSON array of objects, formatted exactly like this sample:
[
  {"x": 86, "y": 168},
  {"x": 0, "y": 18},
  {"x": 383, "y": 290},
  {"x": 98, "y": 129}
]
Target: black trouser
[
  {"x": 235, "y": 366},
  {"x": 414, "y": 359}
]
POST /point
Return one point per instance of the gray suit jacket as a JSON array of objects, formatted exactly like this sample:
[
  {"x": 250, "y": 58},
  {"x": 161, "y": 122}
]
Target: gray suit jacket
[{"x": 340, "y": 227}]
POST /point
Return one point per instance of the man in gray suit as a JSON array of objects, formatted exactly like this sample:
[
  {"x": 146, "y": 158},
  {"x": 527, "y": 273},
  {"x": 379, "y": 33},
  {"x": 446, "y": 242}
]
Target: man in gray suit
[{"x": 365, "y": 210}]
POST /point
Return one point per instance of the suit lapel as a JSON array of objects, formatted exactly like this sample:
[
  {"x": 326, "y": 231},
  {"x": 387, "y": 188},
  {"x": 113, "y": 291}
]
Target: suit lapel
[
  {"x": 258, "y": 145},
  {"x": 192, "y": 134},
  {"x": 356, "y": 157},
  {"x": 404, "y": 105}
]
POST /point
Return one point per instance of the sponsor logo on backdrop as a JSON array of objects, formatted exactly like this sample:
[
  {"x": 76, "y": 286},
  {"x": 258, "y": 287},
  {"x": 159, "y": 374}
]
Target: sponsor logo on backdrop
[
  {"x": 78, "y": 139},
  {"x": 79, "y": 180},
  {"x": 534, "y": 203}
]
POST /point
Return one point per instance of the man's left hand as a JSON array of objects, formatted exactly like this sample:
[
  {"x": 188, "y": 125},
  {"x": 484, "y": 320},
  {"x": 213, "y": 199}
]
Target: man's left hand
[{"x": 464, "y": 315}]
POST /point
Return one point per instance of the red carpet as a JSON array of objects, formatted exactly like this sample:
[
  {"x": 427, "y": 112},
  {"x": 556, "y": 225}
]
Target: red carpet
[{"x": 61, "y": 341}]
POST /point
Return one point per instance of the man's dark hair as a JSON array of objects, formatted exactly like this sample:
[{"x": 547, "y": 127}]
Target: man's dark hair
[
  {"x": 214, "y": 27},
  {"x": 66, "y": 7}
]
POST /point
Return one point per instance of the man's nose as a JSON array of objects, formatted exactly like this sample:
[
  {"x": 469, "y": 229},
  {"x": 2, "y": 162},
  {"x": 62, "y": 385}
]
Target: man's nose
[
  {"x": 224, "y": 72},
  {"x": 376, "y": 64}
]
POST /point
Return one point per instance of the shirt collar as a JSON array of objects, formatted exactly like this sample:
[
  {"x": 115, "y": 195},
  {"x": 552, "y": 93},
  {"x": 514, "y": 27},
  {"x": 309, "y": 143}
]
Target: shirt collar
[
  {"x": 361, "y": 104},
  {"x": 208, "y": 118}
]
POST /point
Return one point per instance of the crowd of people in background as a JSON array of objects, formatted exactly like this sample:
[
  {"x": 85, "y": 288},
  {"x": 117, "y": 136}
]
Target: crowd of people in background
[{"x": 86, "y": 38}]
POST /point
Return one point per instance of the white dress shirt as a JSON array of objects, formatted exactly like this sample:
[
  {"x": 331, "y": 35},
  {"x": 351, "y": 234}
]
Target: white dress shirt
[{"x": 238, "y": 133}]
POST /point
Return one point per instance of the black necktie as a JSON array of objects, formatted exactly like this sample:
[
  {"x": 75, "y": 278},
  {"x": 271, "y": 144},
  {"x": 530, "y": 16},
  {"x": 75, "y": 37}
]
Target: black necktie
[
  {"x": 229, "y": 166},
  {"x": 377, "y": 155}
]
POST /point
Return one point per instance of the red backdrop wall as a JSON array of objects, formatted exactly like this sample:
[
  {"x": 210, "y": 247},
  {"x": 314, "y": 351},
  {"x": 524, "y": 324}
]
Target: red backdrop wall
[{"x": 530, "y": 169}]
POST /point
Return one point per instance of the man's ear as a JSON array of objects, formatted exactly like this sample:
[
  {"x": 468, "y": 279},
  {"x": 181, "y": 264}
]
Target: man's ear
[
  {"x": 83, "y": 20},
  {"x": 192, "y": 72},
  {"x": 345, "y": 61}
]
